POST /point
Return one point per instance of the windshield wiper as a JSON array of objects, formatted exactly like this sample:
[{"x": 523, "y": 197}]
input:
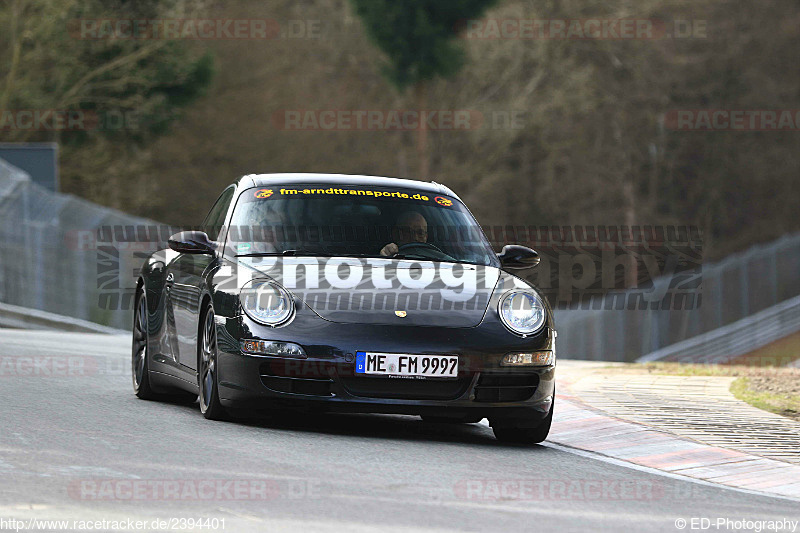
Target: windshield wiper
[
  {"x": 270, "y": 254},
  {"x": 300, "y": 253},
  {"x": 436, "y": 260}
]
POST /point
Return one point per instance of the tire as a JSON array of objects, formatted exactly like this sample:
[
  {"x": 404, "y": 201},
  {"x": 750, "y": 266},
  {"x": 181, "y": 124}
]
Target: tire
[
  {"x": 207, "y": 375},
  {"x": 140, "y": 365},
  {"x": 140, "y": 372},
  {"x": 518, "y": 435},
  {"x": 451, "y": 419}
]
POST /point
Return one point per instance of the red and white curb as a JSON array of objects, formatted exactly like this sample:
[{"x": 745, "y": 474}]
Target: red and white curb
[{"x": 576, "y": 425}]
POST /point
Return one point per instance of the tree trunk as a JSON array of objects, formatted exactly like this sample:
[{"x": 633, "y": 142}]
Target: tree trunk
[{"x": 422, "y": 134}]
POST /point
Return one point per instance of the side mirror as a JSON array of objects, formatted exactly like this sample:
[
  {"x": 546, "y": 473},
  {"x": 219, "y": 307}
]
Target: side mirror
[
  {"x": 516, "y": 257},
  {"x": 192, "y": 242}
]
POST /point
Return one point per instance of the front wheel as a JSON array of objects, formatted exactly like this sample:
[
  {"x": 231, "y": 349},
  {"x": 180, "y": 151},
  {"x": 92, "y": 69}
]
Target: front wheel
[
  {"x": 523, "y": 435},
  {"x": 210, "y": 406}
]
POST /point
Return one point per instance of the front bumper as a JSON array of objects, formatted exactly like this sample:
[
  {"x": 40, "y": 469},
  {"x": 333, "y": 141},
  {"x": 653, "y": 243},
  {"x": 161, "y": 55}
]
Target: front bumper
[{"x": 326, "y": 380}]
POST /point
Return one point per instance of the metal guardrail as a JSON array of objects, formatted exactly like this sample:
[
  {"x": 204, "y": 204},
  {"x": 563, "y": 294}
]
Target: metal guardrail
[
  {"x": 732, "y": 293},
  {"x": 728, "y": 342},
  {"x": 45, "y": 263}
]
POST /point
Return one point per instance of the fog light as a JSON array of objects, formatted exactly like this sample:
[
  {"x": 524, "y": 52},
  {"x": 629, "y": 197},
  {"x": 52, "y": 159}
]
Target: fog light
[
  {"x": 529, "y": 359},
  {"x": 277, "y": 348}
]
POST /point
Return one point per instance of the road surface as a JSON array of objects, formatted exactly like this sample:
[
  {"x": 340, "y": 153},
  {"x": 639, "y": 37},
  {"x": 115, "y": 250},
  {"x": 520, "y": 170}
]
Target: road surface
[{"x": 77, "y": 445}]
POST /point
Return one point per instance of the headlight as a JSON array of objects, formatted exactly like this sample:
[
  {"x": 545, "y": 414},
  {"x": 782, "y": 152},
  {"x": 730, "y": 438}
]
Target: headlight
[
  {"x": 266, "y": 302},
  {"x": 522, "y": 312}
]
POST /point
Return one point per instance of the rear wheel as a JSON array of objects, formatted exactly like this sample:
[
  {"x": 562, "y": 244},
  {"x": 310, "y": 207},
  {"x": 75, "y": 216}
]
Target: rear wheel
[
  {"x": 524, "y": 435},
  {"x": 210, "y": 406},
  {"x": 139, "y": 370},
  {"x": 140, "y": 365}
]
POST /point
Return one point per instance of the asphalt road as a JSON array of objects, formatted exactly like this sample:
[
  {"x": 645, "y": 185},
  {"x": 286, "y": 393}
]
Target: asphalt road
[{"x": 76, "y": 444}]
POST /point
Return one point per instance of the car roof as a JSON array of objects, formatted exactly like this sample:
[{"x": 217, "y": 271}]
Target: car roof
[{"x": 265, "y": 180}]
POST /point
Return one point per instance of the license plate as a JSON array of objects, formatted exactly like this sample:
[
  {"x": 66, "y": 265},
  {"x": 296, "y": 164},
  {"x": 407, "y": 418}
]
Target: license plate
[{"x": 395, "y": 364}]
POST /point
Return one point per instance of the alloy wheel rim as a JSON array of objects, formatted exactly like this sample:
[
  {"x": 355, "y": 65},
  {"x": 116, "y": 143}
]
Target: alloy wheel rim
[
  {"x": 139, "y": 342},
  {"x": 208, "y": 361}
]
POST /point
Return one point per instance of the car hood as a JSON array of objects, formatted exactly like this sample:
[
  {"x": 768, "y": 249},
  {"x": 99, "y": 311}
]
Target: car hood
[{"x": 385, "y": 291}]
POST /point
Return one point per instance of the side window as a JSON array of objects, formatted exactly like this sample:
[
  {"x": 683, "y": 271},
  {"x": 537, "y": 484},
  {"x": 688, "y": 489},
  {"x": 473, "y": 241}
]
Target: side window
[{"x": 216, "y": 217}]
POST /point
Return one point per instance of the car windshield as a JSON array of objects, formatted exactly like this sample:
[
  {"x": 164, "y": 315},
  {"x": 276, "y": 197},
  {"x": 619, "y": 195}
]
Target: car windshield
[{"x": 348, "y": 220}]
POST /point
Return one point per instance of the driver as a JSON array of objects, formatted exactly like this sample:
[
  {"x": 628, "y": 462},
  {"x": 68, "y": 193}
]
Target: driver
[{"x": 410, "y": 227}]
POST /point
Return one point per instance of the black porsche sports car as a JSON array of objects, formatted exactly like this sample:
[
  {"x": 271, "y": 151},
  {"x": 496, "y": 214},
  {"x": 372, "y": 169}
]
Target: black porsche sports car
[{"x": 346, "y": 293}]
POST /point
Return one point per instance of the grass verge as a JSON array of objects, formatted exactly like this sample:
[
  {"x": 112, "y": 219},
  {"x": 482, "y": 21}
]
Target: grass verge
[{"x": 781, "y": 403}]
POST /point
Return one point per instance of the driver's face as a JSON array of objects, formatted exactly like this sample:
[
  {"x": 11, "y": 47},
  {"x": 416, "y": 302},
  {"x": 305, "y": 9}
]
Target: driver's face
[{"x": 413, "y": 230}]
